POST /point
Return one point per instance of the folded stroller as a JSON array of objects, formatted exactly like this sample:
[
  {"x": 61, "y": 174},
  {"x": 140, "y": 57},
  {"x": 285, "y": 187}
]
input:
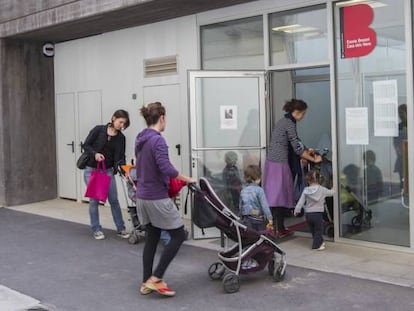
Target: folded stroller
[
  {"x": 129, "y": 177},
  {"x": 251, "y": 246}
]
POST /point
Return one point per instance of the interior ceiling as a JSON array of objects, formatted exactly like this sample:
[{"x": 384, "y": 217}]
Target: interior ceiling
[{"x": 145, "y": 13}]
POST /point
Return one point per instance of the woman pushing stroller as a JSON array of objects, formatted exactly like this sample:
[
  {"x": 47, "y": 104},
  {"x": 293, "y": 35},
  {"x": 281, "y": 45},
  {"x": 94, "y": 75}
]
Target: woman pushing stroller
[{"x": 154, "y": 207}]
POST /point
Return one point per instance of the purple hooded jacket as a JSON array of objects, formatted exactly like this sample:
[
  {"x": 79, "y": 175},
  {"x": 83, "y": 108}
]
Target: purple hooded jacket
[{"x": 154, "y": 168}]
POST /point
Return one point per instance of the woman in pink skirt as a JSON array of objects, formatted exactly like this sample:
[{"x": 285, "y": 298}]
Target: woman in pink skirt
[{"x": 284, "y": 153}]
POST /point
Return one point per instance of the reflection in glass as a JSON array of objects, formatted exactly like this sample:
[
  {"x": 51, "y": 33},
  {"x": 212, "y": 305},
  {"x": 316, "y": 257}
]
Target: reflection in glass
[
  {"x": 224, "y": 170},
  {"x": 233, "y": 45},
  {"x": 373, "y": 190},
  {"x": 225, "y": 107},
  {"x": 298, "y": 36}
]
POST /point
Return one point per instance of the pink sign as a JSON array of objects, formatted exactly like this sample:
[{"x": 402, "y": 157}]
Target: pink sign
[{"x": 357, "y": 38}]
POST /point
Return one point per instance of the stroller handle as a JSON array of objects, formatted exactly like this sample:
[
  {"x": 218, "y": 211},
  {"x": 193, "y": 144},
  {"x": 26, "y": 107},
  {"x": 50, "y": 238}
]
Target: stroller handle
[{"x": 194, "y": 187}]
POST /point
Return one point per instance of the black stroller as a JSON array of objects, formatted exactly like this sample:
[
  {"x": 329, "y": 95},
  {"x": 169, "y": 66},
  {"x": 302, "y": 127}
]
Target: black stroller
[{"x": 251, "y": 246}]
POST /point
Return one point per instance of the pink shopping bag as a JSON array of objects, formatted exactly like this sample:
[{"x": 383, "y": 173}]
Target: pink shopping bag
[{"x": 98, "y": 184}]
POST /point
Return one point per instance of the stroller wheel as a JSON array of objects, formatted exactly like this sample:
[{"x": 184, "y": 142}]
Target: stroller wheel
[
  {"x": 356, "y": 221},
  {"x": 133, "y": 238},
  {"x": 231, "y": 283},
  {"x": 279, "y": 274},
  {"x": 216, "y": 271}
]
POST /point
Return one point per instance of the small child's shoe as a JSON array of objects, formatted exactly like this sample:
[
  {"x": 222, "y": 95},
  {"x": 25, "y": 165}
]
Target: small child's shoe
[{"x": 123, "y": 234}]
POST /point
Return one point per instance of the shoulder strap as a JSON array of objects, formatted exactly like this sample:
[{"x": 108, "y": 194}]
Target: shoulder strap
[{"x": 102, "y": 133}]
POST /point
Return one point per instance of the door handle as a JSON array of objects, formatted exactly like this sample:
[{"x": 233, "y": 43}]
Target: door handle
[
  {"x": 73, "y": 146},
  {"x": 81, "y": 146},
  {"x": 178, "y": 146}
]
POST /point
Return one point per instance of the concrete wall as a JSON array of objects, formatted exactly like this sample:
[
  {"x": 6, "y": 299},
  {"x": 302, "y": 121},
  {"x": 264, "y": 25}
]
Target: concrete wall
[
  {"x": 27, "y": 143},
  {"x": 20, "y": 16},
  {"x": 12, "y": 9}
]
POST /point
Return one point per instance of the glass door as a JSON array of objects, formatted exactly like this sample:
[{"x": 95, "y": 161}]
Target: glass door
[
  {"x": 228, "y": 131},
  {"x": 313, "y": 86}
]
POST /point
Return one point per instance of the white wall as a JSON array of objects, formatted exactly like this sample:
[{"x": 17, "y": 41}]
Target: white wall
[{"x": 113, "y": 63}]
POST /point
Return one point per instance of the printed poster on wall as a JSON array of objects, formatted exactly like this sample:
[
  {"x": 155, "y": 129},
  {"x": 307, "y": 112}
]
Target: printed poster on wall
[
  {"x": 357, "y": 38},
  {"x": 385, "y": 97},
  {"x": 228, "y": 117},
  {"x": 356, "y": 123}
]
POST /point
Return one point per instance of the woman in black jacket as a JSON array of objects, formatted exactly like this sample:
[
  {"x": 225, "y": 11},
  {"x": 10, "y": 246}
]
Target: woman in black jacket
[{"x": 107, "y": 143}]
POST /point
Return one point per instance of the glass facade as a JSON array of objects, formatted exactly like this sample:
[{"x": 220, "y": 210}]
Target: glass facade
[
  {"x": 371, "y": 103},
  {"x": 298, "y": 37},
  {"x": 233, "y": 45},
  {"x": 371, "y": 67}
]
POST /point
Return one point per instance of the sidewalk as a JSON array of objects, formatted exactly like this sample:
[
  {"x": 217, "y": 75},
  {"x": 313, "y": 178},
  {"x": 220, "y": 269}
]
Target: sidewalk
[{"x": 386, "y": 266}]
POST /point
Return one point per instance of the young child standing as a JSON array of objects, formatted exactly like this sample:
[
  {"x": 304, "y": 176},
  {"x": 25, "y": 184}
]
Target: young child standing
[
  {"x": 254, "y": 208},
  {"x": 313, "y": 200}
]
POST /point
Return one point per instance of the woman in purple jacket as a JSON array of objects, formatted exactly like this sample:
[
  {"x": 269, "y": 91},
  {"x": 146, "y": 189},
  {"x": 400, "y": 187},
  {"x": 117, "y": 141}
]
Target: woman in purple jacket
[{"x": 154, "y": 207}]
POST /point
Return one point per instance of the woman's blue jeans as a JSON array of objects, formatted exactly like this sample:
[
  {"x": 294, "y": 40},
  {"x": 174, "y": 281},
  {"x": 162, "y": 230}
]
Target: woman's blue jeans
[{"x": 112, "y": 199}]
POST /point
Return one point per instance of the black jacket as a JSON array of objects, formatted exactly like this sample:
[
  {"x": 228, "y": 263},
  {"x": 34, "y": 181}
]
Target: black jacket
[{"x": 95, "y": 142}]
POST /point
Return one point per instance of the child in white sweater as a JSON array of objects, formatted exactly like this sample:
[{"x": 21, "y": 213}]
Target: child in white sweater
[{"x": 313, "y": 202}]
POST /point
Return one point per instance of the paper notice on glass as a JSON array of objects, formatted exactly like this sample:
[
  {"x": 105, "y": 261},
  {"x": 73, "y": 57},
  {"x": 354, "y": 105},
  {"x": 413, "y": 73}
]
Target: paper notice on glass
[
  {"x": 385, "y": 108},
  {"x": 356, "y": 122},
  {"x": 228, "y": 117}
]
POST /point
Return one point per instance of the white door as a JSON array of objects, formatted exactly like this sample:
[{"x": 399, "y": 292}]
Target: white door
[
  {"x": 227, "y": 122},
  {"x": 76, "y": 115},
  {"x": 89, "y": 115},
  {"x": 169, "y": 96},
  {"x": 66, "y": 145}
]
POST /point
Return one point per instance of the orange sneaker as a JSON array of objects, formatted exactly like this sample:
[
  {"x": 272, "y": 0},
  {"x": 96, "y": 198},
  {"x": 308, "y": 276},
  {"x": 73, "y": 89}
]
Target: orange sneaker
[
  {"x": 158, "y": 285},
  {"x": 144, "y": 290}
]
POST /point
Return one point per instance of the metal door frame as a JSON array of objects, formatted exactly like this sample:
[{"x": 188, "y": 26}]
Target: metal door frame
[{"x": 193, "y": 75}]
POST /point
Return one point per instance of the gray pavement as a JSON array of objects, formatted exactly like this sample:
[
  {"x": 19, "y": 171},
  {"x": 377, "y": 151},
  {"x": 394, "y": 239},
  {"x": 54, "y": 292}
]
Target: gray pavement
[{"x": 56, "y": 264}]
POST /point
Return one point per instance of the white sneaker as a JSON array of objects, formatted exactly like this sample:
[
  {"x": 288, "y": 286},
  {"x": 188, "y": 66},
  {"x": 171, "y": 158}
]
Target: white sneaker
[
  {"x": 123, "y": 234},
  {"x": 98, "y": 235},
  {"x": 249, "y": 264},
  {"x": 322, "y": 247}
]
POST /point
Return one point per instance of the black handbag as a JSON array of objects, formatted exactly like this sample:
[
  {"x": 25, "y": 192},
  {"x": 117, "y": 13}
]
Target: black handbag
[{"x": 82, "y": 161}]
